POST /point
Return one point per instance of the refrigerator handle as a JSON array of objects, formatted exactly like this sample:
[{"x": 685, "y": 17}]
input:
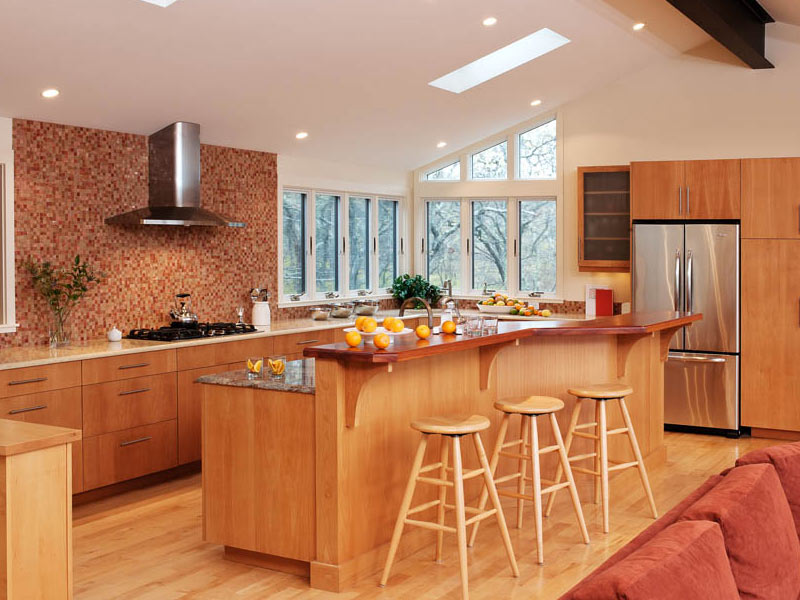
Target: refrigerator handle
[
  {"x": 677, "y": 298},
  {"x": 689, "y": 274}
]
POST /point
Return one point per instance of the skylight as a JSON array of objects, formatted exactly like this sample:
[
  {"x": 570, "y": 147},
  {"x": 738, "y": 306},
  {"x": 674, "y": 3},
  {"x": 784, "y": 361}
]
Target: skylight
[
  {"x": 162, "y": 3},
  {"x": 501, "y": 61}
]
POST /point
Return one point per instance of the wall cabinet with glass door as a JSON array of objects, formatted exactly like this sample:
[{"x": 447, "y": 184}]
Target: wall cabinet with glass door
[{"x": 604, "y": 220}]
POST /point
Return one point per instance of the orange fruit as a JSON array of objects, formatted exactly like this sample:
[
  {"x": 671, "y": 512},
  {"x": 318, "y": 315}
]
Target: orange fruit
[
  {"x": 397, "y": 326},
  {"x": 369, "y": 325},
  {"x": 382, "y": 340},
  {"x": 360, "y": 322},
  {"x": 448, "y": 327},
  {"x": 387, "y": 323},
  {"x": 423, "y": 332},
  {"x": 353, "y": 338}
]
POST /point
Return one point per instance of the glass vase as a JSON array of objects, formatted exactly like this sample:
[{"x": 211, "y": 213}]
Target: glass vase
[{"x": 59, "y": 330}]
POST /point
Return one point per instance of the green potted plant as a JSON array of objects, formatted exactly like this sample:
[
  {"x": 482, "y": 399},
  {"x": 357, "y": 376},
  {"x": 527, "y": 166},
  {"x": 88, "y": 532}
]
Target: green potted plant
[
  {"x": 407, "y": 286},
  {"x": 62, "y": 288}
]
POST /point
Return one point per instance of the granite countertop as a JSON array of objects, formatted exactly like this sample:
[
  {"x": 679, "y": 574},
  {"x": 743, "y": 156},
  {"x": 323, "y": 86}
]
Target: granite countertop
[{"x": 298, "y": 378}]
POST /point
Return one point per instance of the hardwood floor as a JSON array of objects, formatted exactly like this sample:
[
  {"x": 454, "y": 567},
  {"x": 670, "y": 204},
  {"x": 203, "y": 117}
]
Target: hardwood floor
[{"x": 146, "y": 544}]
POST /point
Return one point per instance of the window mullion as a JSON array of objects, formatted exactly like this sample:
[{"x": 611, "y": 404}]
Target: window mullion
[
  {"x": 311, "y": 248},
  {"x": 466, "y": 242}
]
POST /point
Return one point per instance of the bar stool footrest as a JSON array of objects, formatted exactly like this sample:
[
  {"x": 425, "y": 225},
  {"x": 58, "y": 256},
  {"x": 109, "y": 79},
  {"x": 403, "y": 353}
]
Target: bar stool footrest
[
  {"x": 620, "y": 466},
  {"x": 429, "y": 525},
  {"x": 422, "y": 507}
]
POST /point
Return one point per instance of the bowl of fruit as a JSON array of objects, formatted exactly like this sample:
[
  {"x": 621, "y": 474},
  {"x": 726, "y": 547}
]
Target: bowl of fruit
[
  {"x": 499, "y": 304},
  {"x": 368, "y": 327}
]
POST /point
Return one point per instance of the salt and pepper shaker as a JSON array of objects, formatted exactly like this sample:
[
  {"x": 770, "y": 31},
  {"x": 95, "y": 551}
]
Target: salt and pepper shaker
[{"x": 240, "y": 314}]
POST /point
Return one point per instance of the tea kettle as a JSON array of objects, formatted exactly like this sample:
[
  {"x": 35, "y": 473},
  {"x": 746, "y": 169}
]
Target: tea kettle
[{"x": 182, "y": 311}]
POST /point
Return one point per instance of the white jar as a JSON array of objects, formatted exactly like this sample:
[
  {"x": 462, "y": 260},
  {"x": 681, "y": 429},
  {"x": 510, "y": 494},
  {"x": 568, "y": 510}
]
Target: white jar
[{"x": 261, "y": 315}]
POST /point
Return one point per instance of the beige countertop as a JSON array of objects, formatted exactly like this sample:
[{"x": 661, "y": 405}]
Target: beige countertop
[{"x": 31, "y": 356}]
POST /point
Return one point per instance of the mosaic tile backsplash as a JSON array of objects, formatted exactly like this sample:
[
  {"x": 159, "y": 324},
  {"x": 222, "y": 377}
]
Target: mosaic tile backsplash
[{"x": 69, "y": 179}]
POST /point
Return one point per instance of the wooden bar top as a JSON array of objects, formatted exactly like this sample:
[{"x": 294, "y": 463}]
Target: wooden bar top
[
  {"x": 410, "y": 347},
  {"x": 18, "y": 437}
]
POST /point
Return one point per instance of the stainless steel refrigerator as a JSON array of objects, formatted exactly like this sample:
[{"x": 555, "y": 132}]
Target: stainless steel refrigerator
[{"x": 694, "y": 267}]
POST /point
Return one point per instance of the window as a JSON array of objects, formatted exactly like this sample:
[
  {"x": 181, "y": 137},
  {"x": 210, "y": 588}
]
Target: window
[
  {"x": 537, "y": 152},
  {"x": 489, "y": 244},
  {"x": 338, "y": 243},
  {"x": 491, "y": 163},
  {"x": 444, "y": 242},
  {"x": 294, "y": 235},
  {"x": 537, "y": 244},
  {"x": 451, "y": 172},
  {"x": 358, "y": 230},
  {"x": 326, "y": 237},
  {"x": 387, "y": 242}
]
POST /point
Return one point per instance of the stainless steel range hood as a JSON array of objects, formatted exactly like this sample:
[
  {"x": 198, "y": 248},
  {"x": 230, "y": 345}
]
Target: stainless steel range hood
[{"x": 174, "y": 157}]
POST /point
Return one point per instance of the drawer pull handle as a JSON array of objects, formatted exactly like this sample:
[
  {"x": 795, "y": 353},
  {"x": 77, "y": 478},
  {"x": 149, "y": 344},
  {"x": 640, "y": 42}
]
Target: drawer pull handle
[
  {"x": 136, "y": 366},
  {"x": 24, "y": 381},
  {"x": 307, "y": 342},
  {"x": 136, "y": 441},
  {"x": 139, "y": 391},
  {"x": 17, "y": 411}
]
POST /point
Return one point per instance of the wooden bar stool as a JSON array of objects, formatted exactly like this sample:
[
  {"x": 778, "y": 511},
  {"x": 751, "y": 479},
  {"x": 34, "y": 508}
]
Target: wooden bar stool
[
  {"x": 601, "y": 393},
  {"x": 530, "y": 409},
  {"x": 454, "y": 428}
]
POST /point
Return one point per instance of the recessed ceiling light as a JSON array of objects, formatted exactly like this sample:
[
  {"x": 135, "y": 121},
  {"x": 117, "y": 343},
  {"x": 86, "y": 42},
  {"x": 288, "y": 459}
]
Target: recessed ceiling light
[
  {"x": 50, "y": 93},
  {"x": 638, "y": 26},
  {"x": 489, "y": 21},
  {"x": 536, "y": 102},
  {"x": 161, "y": 3},
  {"x": 302, "y": 135},
  {"x": 501, "y": 61},
  {"x": 441, "y": 144}
]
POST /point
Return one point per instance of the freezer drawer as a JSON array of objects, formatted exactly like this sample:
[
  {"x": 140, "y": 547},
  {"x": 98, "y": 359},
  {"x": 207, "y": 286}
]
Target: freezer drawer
[{"x": 702, "y": 390}]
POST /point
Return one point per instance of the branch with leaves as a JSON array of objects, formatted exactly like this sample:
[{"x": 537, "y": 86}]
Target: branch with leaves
[{"x": 62, "y": 287}]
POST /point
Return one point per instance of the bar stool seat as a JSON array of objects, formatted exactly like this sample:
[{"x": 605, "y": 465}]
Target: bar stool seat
[
  {"x": 451, "y": 425},
  {"x": 530, "y": 405},
  {"x": 601, "y": 391}
]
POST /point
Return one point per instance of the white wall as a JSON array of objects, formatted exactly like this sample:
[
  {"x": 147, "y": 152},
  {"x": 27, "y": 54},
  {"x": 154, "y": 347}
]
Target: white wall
[
  {"x": 704, "y": 104},
  {"x": 343, "y": 177},
  {"x": 5, "y": 134}
]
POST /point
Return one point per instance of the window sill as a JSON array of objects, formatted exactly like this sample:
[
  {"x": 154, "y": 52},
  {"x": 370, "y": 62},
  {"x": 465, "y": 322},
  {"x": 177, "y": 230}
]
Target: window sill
[
  {"x": 9, "y": 328},
  {"x": 525, "y": 297},
  {"x": 319, "y": 301}
]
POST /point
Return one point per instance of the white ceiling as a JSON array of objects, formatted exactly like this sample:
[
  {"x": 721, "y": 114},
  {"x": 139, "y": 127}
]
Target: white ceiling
[
  {"x": 785, "y": 11},
  {"x": 353, "y": 73}
]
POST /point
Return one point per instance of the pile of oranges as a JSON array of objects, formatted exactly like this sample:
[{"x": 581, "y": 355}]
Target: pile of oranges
[{"x": 381, "y": 340}]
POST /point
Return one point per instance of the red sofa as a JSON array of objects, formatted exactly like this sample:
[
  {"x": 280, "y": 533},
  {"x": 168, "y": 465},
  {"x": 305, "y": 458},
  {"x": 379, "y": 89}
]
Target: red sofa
[{"x": 736, "y": 536}]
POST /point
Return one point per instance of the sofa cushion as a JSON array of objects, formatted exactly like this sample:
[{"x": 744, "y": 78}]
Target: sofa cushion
[
  {"x": 685, "y": 560},
  {"x": 760, "y": 537},
  {"x": 786, "y": 460},
  {"x": 648, "y": 534}
]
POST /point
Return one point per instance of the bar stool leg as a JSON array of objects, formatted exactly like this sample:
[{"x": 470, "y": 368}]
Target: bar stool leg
[
  {"x": 573, "y": 421},
  {"x": 638, "y": 456},
  {"x": 573, "y": 490},
  {"x": 445, "y": 448},
  {"x": 461, "y": 529},
  {"x": 537, "y": 487},
  {"x": 604, "y": 463},
  {"x": 498, "y": 447},
  {"x": 596, "y": 479},
  {"x": 492, "y": 490},
  {"x": 404, "y": 506},
  {"x": 522, "y": 467}
]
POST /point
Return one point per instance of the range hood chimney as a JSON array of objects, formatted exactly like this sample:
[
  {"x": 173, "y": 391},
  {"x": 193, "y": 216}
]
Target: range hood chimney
[{"x": 174, "y": 159}]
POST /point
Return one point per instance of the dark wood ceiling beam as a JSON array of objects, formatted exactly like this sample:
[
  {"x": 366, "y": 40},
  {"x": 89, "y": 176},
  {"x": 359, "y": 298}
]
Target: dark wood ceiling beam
[{"x": 739, "y": 25}]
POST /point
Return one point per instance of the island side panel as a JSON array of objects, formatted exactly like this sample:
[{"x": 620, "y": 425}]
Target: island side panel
[{"x": 258, "y": 471}]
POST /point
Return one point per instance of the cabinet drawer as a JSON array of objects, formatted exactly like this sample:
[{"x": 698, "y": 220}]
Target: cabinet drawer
[
  {"x": 32, "y": 380},
  {"x": 221, "y": 353},
  {"x": 122, "y": 455},
  {"x": 61, "y": 408},
  {"x": 117, "y": 405},
  {"x": 296, "y": 342},
  {"x": 127, "y": 366}
]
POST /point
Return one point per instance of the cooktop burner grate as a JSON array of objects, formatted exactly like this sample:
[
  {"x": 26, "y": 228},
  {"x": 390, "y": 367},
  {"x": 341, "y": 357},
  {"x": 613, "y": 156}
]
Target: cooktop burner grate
[{"x": 177, "y": 332}]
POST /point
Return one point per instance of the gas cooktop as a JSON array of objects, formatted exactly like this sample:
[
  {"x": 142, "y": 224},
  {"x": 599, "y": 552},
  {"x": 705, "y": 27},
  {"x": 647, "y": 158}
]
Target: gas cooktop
[{"x": 178, "y": 331}]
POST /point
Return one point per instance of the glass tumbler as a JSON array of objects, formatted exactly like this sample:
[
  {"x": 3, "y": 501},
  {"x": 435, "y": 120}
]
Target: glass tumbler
[
  {"x": 489, "y": 325},
  {"x": 255, "y": 366}
]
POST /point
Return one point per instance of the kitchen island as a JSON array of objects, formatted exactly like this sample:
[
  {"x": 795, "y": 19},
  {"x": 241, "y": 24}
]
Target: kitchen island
[{"x": 309, "y": 480}]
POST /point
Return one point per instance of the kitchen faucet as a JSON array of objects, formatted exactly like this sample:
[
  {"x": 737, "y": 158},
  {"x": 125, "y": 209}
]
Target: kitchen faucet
[
  {"x": 413, "y": 302},
  {"x": 448, "y": 301}
]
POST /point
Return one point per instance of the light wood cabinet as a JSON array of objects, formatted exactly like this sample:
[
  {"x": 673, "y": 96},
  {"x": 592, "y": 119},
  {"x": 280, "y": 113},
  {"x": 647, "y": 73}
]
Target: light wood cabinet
[
  {"x": 33, "y": 380},
  {"x": 770, "y": 334},
  {"x": 127, "y": 366},
  {"x": 604, "y": 218},
  {"x": 695, "y": 189},
  {"x": 771, "y": 198},
  {"x": 292, "y": 345},
  {"x": 210, "y": 355}
]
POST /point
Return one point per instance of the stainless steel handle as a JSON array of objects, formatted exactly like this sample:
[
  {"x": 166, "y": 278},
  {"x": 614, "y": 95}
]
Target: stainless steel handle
[
  {"x": 16, "y": 411},
  {"x": 139, "y": 391},
  {"x": 135, "y": 366},
  {"x": 136, "y": 441},
  {"x": 680, "y": 200},
  {"x": 696, "y": 359},
  {"x": 688, "y": 200},
  {"x": 307, "y": 342},
  {"x": 24, "y": 381},
  {"x": 677, "y": 299},
  {"x": 689, "y": 273}
]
